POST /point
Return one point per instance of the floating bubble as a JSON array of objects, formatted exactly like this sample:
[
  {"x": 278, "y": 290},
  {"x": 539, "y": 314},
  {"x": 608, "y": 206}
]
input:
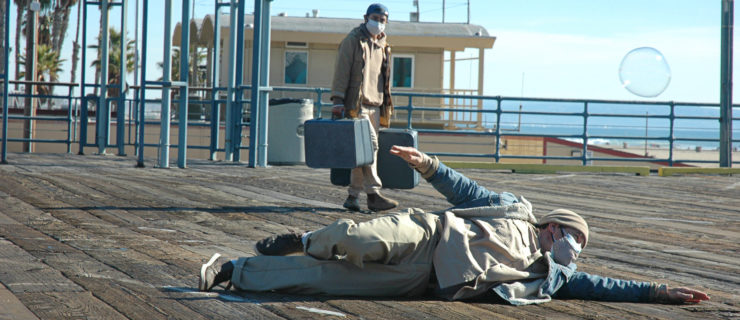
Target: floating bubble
[{"x": 645, "y": 72}]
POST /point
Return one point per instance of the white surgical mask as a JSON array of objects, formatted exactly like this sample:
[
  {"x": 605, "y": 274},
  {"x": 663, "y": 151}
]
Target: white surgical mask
[{"x": 375, "y": 27}]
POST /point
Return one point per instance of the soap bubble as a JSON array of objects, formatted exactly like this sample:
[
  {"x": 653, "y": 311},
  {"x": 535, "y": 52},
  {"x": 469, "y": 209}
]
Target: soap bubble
[{"x": 645, "y": 72}]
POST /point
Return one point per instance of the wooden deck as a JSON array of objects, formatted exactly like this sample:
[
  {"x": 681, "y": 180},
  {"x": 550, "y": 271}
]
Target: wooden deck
[{"x": 94, "y": 237}]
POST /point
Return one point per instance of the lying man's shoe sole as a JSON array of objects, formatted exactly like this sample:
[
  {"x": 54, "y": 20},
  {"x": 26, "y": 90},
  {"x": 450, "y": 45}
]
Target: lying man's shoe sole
[{"x": 208, "y": 273}]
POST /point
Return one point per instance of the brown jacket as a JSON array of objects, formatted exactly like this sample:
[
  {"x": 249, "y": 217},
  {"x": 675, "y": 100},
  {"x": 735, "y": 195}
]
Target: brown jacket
[{"x": 349, "y": 70}]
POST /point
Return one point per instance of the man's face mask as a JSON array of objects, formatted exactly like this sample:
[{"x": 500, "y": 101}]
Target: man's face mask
[
  {"x": 566, "y": 249},
  {"x": 375, "y": 27}
]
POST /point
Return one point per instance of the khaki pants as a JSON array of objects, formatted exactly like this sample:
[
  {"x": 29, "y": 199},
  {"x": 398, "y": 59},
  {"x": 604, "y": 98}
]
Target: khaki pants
[
  {"x": 366, "y": 177},
  {"x": 387, "y": 256}
]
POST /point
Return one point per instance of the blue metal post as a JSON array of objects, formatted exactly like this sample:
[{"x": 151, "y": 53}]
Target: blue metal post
[
  {"x": 409, "y": 111},
  {"x": 70, "y": 111},
  {"x": 256, "y": 77},
  {"x": 236, "y": 138},
  {"x": 497, "y": 154},
  {"x": 6, "y": 51},
  {"x": 215, "y": 75},
  {"x": 229, "y": 123},
  {"x": 102, "y": 112},
  {"x": 672, "y": 118},
  {"x": 142, "y": 90},
  {"x": 263, "y": 87},
  {"x": 585, "y": 134},
  {"x": 83, "y": 84},
  {"x": 182, "y": 141},
  {"x": 164, "y": 131},
  {"x": 725, "y": 97},
  {"x": 121, "y": 105}
]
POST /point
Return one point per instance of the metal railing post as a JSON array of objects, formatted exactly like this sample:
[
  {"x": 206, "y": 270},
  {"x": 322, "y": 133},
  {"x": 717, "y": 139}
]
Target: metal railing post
[
  {"x": 70, "y": 111},
  {"x": 121, "y": 105},
  {"x": 497, "y": 154},
  {"x": 142, "y": 89},
  {"x": 229, "y": 122},
  {"x": 256, "y": 76},
  {"x": 409, "y": 110},
  {"x": 182, "y": 141},
  {"x": 672, "y": 119},
  {"x": 6, "y": 80},
  {"x": 83, "y": 124},
  {"x": 165, "y": 119},
  {"x": 725, "y": 117},
  {"x": 585, "y": 133},
  {"x": 215, "y": 75},
  {"x": 263, "y": 89},
  {"x": 102, "y": 112}
]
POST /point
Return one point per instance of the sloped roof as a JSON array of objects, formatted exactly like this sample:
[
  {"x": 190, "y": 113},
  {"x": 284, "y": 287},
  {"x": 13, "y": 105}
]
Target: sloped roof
[{"x": 456, "y": 36}]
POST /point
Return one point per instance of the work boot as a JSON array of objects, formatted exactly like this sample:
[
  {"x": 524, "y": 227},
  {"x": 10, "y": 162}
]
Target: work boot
[
  {"x": 377, "y": 202},
  {"x": 352, "y": 203},
  {"x": 210, "y": 277},
  {"x": 280, "y": 245}
]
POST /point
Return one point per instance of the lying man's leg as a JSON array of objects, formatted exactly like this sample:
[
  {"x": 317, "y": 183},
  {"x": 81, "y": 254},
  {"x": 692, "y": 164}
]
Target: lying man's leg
[
  {"x": 392, "y": 239},
  {"x": 307, "y": 275}
]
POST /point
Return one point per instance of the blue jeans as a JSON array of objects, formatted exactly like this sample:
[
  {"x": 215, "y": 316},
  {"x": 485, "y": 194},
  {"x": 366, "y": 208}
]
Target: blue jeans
[{"x": 563, "y": 282}]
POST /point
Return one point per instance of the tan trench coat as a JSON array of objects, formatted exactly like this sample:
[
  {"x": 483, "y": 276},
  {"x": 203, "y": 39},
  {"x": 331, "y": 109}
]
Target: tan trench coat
[
  {"x": 482, "y": 247},
  {"x": 349, "y": 70}
]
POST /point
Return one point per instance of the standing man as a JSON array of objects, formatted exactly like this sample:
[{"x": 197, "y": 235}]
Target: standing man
[{"x": 361, "y": 89}]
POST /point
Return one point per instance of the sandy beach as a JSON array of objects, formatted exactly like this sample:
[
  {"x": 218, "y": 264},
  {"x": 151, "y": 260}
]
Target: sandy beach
[{"x": 682, "y": 155}]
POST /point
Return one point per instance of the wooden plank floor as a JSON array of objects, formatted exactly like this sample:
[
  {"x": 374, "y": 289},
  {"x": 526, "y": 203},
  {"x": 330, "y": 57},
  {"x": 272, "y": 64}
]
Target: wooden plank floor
[{"x": 94, "y": 237}]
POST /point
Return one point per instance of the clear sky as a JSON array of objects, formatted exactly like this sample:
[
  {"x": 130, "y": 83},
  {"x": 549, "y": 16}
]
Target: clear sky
[{"x": 544, "y": 48}]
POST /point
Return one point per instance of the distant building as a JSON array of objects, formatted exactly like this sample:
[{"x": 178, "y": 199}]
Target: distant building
[{"x": 303, "y": 54}]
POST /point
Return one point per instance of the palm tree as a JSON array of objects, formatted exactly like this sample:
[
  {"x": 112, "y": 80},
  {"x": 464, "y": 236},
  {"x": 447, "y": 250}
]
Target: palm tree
[
  {"x": 114, "y": 59},
  {"x": 76, "y": 48},
  {"x": 60, "y": 22},
  {"x": 198, "y": 57},
  {"x": 21, "y": 6},
  {"x": 48, "y": 67}
]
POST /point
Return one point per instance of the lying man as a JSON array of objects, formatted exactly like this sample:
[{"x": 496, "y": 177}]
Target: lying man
[{"x": 486, "y": 241}]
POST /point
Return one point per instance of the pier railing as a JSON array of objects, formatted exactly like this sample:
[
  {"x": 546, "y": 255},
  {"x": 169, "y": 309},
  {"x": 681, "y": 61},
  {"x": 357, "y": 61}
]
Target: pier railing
[{"x": 663, "y": 123}]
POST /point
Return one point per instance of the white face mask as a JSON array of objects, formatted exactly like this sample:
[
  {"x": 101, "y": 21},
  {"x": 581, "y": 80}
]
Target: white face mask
[{"x": 375, "y": 27}]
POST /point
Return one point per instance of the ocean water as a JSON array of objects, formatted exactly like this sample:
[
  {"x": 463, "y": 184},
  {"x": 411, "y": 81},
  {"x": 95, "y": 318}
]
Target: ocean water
[
  {"x": 632, "y": 122},
  {"x": 609, "y": 123}
]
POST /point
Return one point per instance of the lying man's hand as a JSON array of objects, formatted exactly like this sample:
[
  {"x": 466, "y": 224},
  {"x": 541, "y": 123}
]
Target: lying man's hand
[
  {"x": 410, "y": 154},
  {"x": 685, "y": 295}
]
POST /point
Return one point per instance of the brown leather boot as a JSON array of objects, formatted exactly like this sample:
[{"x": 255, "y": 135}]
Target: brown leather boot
[{"x": 377, "y": 202}]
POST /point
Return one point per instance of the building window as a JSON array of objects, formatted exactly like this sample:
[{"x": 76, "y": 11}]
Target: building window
[
  {"x": 296, "y": 67},
  {"x": 403, "y": 71}
]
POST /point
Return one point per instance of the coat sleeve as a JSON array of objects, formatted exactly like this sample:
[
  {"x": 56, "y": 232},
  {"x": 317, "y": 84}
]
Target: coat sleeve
[
  {"x": 343, "y": 69},
  {"x": 592, "y": 287},
  {"x": 457, "y": 188}
]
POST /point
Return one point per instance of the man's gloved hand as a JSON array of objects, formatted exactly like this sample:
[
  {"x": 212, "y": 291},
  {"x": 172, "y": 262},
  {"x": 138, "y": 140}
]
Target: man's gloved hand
[
  {"x": 337, "y": 111},
  {"x": 562, "y": 252}
]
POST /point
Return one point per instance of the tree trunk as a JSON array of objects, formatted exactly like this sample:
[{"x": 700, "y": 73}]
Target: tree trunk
[
  {"x": 20, "y": 5},
  {"x": 76, "y": 49},
  {"x": 65, "y": 25},
  {"x": 56, "y": 22}
]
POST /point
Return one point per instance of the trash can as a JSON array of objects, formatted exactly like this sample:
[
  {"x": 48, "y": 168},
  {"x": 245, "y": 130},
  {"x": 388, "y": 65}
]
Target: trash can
[{"x": 285, "y": 130}]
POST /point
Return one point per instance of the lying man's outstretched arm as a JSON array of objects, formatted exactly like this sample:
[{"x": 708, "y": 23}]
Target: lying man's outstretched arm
[
  {"x": 592, "y": 287},
  {"x": 457, "y": 188}
]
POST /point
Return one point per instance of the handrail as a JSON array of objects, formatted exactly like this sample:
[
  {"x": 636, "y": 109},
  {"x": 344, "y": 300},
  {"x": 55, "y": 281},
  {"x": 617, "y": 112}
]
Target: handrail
[{"x": 579, "y": 125}]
